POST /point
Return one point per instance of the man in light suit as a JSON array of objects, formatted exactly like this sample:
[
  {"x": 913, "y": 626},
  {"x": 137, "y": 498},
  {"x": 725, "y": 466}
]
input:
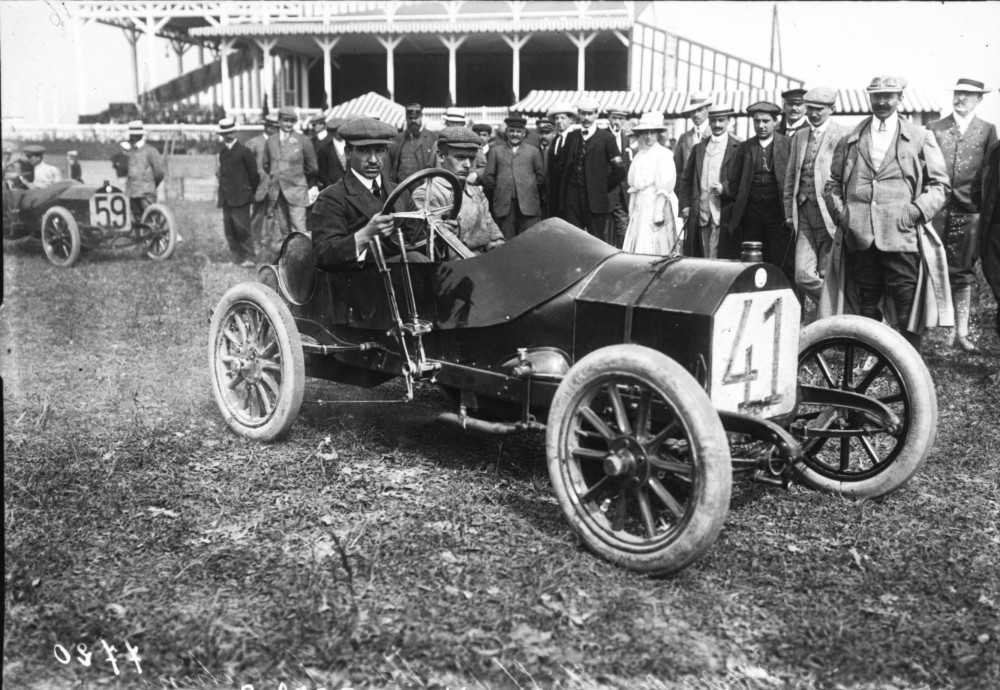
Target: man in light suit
[
  {"x": 347, "y": 214},
  {"x": 806, "y": 214},
  {"x": 757, "y": 185},
  {"x": 705, "y": 202},
  {"x": 261, "y": 216},
  {"x": 290, "y": 163},
  {"x": 964, "y": 140},
  {"x": 590, "y": 166},
  {"x": 238, "y": 180},
  {"x": 514, "y": 171},
  {"x": 887, "y": 180},
  {"x": 697, "y": 110}
]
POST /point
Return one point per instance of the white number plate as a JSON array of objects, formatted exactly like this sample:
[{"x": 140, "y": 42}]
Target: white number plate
[
  {"x": 755, "y": 353},
  {"x": 109, "y": 210}
]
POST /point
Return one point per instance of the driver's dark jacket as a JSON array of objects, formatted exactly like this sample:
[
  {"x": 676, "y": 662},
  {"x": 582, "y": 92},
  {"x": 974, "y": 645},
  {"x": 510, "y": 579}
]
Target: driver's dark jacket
[{"x": 341, "y": 210}]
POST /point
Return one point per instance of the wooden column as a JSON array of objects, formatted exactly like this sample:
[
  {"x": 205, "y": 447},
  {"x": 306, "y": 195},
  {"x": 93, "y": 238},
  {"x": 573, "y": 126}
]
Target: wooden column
[
  {"x": 453, "y": 43},
  {"x": 581, "y": 41},
  {"x": 390, "y": 43},
  {"x": 227, "y": 98},
  {"x": 516, "y": 43},
  {"x": 327, "y": 45},
  {"x": 267, "y": 72}
]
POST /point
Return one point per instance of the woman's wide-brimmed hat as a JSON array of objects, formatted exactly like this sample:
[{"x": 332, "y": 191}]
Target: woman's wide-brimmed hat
[{"x": 650, "y": 122}]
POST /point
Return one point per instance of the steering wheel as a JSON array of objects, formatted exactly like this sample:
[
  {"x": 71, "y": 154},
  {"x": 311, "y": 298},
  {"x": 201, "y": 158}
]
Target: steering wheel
[{"x": 427, "y": 216}]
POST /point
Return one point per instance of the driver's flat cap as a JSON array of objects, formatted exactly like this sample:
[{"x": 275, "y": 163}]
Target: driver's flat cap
[
  {"x": 887, "y": 84},
  {"x": 34, "y": 149},
  {"x": 365, "y": 131},
  {"x": 459, "y": 138}
]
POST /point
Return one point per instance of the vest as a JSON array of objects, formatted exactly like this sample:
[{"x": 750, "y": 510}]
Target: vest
[
  {"x": 890, "y": 195},
  {"x": 807, "y": 175}
]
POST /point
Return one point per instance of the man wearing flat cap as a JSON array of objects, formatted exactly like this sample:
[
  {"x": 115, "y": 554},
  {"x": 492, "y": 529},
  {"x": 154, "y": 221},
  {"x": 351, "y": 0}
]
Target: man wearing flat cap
[
  {"x": 514, "y": 171},
  {"x": 887, "y": 181},
  {"x": 475, "y": 230},
  {"x": 347, "y": 214},
  {"x": 145, "y": 170},
  {"x": 696, "y": 109},
  {"x": 793, "y": 105},
  {"x": 45, "y": 175},
  {"x": 590, "y": 166},
  {"x": 704, "y": 201},
  {"x": 757, "y": 185},
  {"x": 964, "y": 140},
  {"x": 412, "y": 149},
  {"x": 806, "y": 214},
  {"x": 238, "y": 180},
  {"x": 328, "y": 168},
  {"x": 290, "y": 163}
]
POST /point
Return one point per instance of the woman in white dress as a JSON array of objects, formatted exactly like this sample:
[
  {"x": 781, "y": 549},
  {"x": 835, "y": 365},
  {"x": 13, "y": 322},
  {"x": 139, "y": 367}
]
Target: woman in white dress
[{"x": 652, "y": 227}]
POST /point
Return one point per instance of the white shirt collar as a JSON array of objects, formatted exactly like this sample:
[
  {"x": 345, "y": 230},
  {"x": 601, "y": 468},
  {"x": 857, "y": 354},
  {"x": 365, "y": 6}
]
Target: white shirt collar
[
  {"x": 364, "y": 180},
  {"x": 139, "y": 144},
  {"x": 798, "y": 124},
  {"x": 720, "y": 140},
  {"x": 822, "y": 127},
  {"x": 891, "y": 123},
  {"x": 765, "y": 143},
  {"x": 963, "y": 122},
  {"x": 701, "y": 129},
  {"x": 230, "y": 144}
]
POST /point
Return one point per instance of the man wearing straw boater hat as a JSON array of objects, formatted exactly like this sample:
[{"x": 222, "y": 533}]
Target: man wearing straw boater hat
[
  {"x": 145, "y": 170},
  {"x": 238, "y": 180},
  {"x": 887, "y": 181},
  {"x": 696, "y": 110},
  {"x": 964, "y": 140}
]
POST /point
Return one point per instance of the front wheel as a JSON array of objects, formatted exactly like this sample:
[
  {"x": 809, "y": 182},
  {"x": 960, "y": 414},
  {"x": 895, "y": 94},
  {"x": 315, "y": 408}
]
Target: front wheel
[
  {"x": 846, "y": 451},
  {"x": 639, "y": 459},
  {"x": 60, "y": 237},
  {"x": 159, "y": 232},
  {"x": 256, "y": 362}
]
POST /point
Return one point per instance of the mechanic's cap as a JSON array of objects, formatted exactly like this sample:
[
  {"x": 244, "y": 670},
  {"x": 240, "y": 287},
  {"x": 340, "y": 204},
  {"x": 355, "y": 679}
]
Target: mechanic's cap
[
  {"x": 516, "y": 121},
  {"x": 414, "y": 107},
  {"x": 617, "y": 110},
  {"x": 365, "y": 131},
  {"x": 317, "y": 119},
  {"x": 481, "y": 127},
  {"x": 764, "y": 107},
  {"x": 458, "y": 138},
  {"x": 719, "y": 110},
  {"x": 795, "y": 94},
  {"x": 287, "y": 112},
  {"x": 227, "y": 124},
  {"x": 454, "y": 115},
  {"x": 544, "y": 125},
  {"x": 136, "y": 127},
  {"x": 271, "y": 119},
  {"x": 34, "y": 150},
  {"x": 821, "y": 96},
  {"x": 887, "y": 84},
  {"x": 561, "y": 108},
  {"x": 587, "y": 105}
]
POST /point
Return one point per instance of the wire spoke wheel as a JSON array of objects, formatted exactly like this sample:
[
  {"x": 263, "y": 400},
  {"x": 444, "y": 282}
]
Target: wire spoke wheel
[
  {"x": 258, "y": 373},
  {"x": 158, "y": 232},
  {"x": 638, "y": 459},
  {"x": 60, "y": 237},
  {"x": 847, "y": 450}
]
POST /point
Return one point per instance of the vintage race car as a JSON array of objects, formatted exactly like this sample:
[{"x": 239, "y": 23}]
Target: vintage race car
[
  {"x": 68, "y": 217},
  {"x": 655, "y": 379}
]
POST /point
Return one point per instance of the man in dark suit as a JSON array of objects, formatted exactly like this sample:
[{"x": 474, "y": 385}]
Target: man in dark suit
[
  {"x": 546, "y": 135},
  {"x": 964, "y": 140},
  {"x": 618, "y": 197},
  {"x": 697, "y": 110},
  {"x": 757, "y": 185},
  {"x": 514, "y": 170},
  {"x": 290, "y": 163},
  {"x": 347, "y": 214},
  {"x": 238, "y": 180},
  {"x": 412, "y": 149},
  {"x": 591, "y": 166},
  {"x": 793, "y": 105},
  {"x": 989, "y": 223},
  {"x": 887, "y": 180},
  {"x": 704, "y": 199},
  {"x": 563, "y": 116}
]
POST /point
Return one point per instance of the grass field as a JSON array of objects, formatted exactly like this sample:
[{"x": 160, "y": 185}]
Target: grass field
[{"x": 405, "y": 554}]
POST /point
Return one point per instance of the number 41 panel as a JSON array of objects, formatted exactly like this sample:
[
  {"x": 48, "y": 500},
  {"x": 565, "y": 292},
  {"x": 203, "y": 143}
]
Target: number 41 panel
[{"x": 755, "y": 353}]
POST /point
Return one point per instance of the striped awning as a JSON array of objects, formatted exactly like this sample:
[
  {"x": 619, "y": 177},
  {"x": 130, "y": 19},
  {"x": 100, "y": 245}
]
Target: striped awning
[
  {"x": 371, "y": 105},
  {"x": 672, "y": 103}
]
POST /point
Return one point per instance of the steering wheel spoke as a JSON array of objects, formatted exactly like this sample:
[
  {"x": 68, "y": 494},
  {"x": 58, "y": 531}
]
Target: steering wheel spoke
[{"x": 418, "y": 238}]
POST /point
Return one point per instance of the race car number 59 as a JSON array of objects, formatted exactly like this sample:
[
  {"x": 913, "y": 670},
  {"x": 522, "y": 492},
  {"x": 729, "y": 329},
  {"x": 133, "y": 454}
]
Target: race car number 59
[
  {"x": 755, "y": 353},
  {"x": 109, "y": 210}
]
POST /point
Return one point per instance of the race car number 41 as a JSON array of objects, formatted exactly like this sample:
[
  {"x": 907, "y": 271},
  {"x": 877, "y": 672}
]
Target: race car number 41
[{"x": 755, "y": 353}]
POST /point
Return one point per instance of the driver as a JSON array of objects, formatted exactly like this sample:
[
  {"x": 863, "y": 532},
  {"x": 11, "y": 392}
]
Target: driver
[
  {"x": 347, "y": 214},
  {"x": 457, "y": 148}
]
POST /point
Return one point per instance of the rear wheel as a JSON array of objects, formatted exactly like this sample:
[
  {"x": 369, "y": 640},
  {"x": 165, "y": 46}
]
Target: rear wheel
[
  {"x": 850, "y": 453},
  {"x": 256, "y": 362},
  {"x": 638, "y": 459},
  {"x": 60, "y": 237},
  {"x": 159, "y": 232}
]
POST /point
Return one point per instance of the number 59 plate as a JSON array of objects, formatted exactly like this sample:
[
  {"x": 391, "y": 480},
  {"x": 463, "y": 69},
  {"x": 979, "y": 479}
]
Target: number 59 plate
[
  {"x": 755, "y": 352},
  {"x": 109, "y": 210}
]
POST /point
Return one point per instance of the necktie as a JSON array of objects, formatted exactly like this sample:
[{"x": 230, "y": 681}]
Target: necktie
[
  {"x": 376, "y": 190},
  {"x": 881, "y": 125}
]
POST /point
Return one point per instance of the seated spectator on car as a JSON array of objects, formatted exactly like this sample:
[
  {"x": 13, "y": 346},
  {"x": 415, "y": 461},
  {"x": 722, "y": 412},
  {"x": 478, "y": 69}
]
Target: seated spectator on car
[
  {"x": 456, "y": 152},
  {"x": 347, "y": 215},
  {"x": 45, "y": 175}
]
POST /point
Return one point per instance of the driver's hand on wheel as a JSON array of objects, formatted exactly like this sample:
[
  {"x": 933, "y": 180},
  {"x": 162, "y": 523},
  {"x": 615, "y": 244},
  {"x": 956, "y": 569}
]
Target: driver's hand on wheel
[{"x": 378, "y": 226}]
